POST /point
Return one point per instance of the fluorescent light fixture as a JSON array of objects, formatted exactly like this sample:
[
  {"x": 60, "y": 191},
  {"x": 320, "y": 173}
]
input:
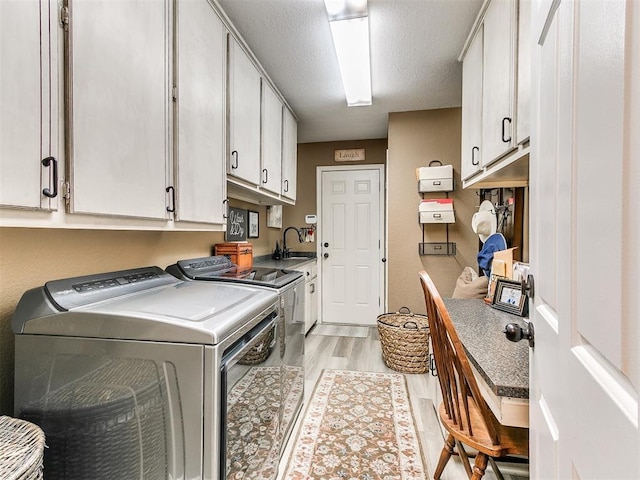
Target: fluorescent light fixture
[{"x": 350, "y": 30}]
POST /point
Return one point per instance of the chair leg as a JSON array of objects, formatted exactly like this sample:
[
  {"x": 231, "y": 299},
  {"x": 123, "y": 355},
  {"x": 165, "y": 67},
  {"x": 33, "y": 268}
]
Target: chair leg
[
  {"x": 464, "y": 458},
  {"x": 445, "y": 455},
  {"x": 495, "y": 469},
  {"x": 479, "y": 466}
]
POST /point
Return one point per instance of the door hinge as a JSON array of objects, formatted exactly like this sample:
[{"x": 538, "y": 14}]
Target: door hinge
[
  {"x": 174, "y": 93},
  {"x": 66, "y": 192},
  {"x": 64, "y": 17}
]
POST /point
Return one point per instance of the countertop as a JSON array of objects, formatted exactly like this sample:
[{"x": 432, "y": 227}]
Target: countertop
[
  {"x": 296, "y": 261},
  {"x": 504, "y": 365}
]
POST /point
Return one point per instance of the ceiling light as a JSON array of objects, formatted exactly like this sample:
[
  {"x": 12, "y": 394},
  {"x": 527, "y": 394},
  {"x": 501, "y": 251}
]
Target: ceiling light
[{"x": 350, "y": 29}]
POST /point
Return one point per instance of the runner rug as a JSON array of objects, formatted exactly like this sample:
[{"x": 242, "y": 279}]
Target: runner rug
[{"x": 358, "y": 425}]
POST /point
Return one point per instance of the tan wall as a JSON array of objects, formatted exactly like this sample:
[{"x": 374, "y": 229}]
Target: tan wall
[
  {"x": 416, "y": 138},
  {"x": 312, "y": 155}
]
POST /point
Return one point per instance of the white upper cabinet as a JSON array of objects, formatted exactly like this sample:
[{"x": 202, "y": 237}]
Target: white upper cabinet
[
  {"x": 498, "y": 79},
  {"x": 271, "y": 172},
  {"x": 289, "y": 154},
  {"x": 472, "y": 108},
  {"x": 495, "y": 96},
  {"x": 244, "y": 115},
  {"x": 523, "y": 110},
  {"x": 120, "y": 107},
  {"x": 28, "y": 105},
  {"x": 200, "y": 166}
]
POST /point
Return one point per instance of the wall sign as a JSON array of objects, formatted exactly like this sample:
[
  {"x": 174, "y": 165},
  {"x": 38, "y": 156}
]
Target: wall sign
[
  {"x": 236, "y": 225},
  {"x": 352, "y": 155}
]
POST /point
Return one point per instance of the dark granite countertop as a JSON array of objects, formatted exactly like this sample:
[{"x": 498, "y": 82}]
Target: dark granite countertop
[
  {"x": 296, "y": 260},
  {"x": 504, "y": 365}
]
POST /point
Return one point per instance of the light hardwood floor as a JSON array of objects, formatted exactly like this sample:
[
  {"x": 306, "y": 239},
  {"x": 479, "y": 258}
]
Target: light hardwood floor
[{"x": 364, "y": 354}]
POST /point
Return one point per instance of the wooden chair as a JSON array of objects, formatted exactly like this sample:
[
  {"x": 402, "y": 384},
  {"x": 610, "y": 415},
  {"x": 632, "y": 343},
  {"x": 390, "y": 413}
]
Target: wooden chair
[{"x": 463, "y": 411}]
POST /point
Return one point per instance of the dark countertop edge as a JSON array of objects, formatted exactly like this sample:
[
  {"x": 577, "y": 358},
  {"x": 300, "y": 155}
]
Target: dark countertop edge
[{"x": 498, "y": 390}]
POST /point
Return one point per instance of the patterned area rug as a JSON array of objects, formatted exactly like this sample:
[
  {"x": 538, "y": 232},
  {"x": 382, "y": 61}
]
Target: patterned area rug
[
  {"x": 253, "y": 432},
  {"x": 358, "y": 425}
]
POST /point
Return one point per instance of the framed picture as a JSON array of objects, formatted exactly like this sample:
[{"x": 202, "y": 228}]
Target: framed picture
[
  {"x": 274, "y": 216},
  {"x": 253, "y": 228},
  {"x": 509, "y": 297},
  {"x": 493, "y": 280},
  {"x": 236, "y": 225}
]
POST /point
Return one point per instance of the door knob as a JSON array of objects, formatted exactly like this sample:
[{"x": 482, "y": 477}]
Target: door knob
[
  {"x": 326, "y": 255},
  {"x": 528, "y": 285},
  {"x": 515, "y": 333}
]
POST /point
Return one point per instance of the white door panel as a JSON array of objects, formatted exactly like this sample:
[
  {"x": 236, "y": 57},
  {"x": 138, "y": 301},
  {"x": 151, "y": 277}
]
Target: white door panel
[
  {"x": 351, "y": 237},
  {"x": 584, "y": 373}
]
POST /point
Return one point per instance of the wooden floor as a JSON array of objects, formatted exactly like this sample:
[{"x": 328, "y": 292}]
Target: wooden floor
[{"x": 363, "y": 353}]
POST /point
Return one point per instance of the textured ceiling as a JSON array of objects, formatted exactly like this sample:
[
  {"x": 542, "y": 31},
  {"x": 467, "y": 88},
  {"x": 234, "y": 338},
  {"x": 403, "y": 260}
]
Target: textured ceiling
[{"x": 414, "y": 49}]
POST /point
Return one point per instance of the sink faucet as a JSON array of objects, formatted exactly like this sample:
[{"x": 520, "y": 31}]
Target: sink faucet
[{"x": 285, "y": 250}]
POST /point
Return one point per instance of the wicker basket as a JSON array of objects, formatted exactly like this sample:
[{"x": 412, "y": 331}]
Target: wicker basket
[
  {"x": 260, "y": 351},
  {"x": 404, "y": 337},
  {"x": 108, "y": 425},
  {"x": 21, "y": 449}
]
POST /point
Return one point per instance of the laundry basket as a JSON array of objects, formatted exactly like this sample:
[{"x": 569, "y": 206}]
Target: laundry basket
[
  {"x": 107, "y": 425},
  {"x": 404, "y": 338},
  {"x": 21, "y": 449}
]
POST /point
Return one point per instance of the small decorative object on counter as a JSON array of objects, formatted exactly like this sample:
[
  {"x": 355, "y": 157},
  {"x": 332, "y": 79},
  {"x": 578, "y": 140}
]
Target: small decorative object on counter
[
  {"x": 21, "y": 449},
  {"x": 240, "y": 253},
  {"x": 404, "y": 338}
]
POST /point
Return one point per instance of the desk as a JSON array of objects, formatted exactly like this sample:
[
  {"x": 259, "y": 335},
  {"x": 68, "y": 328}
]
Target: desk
[{"x": 501, "y": 367}]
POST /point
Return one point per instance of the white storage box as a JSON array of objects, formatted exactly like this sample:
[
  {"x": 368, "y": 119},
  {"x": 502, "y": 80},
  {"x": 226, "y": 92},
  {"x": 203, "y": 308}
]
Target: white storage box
[
  {"x": 435, "y": 179},
  {"x": 437, "y": 211}
]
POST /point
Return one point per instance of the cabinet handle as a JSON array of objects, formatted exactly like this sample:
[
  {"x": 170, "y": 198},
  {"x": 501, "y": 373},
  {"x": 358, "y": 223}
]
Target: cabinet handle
[
  {"x": 505, "y": 140},
  {"x": 286, "y": 186},
  {"x": 225, "y": 202},
  {"x": 266, "y": 175},
  {"x": 51, "y": 161},
  {"x": 473, "y": 156},
  {"x": 234, "y": 154},
  {"x": 172, "y": 207},
  {"x": 313, "y": 288}
]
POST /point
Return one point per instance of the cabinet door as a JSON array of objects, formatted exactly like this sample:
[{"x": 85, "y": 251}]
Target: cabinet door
[
  {"x": 119, "y": 68},
  {"x": 201, "y": 65},
  {"x": 523, "y": 125},
  {"x": 271, "y": 172},
  {"x": 289, "y": 154},
  {"x": 28, "y": 117},
  {"x": 244, "y": 115},
  {"x": 472, "y": 107},
  {"x": 498, "y": 80}
]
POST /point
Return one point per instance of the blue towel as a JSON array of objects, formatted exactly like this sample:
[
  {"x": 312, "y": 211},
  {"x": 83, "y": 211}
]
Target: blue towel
[{"x": 494, "y": 243}]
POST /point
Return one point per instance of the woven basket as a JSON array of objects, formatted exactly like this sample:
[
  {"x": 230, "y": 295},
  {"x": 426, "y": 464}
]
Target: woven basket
[
  {"x": 260, "y": 351},
  {"x": 21, "y": 449},
  {"x": 108, "y": 425},
  {"x": 404, "y": 337}
]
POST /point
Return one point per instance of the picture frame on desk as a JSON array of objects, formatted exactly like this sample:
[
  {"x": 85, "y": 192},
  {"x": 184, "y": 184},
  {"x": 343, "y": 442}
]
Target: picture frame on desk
[{"x": 509, "y": 297}]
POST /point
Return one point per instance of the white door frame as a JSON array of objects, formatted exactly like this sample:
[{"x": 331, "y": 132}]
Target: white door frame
[{"x": 383, "y": 231}]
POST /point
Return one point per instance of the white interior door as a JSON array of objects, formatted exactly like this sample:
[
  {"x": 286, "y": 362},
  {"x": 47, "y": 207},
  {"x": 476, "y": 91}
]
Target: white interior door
[
  {"x": 351, "y": 236},
  {"x": 585, "y": 366}
]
